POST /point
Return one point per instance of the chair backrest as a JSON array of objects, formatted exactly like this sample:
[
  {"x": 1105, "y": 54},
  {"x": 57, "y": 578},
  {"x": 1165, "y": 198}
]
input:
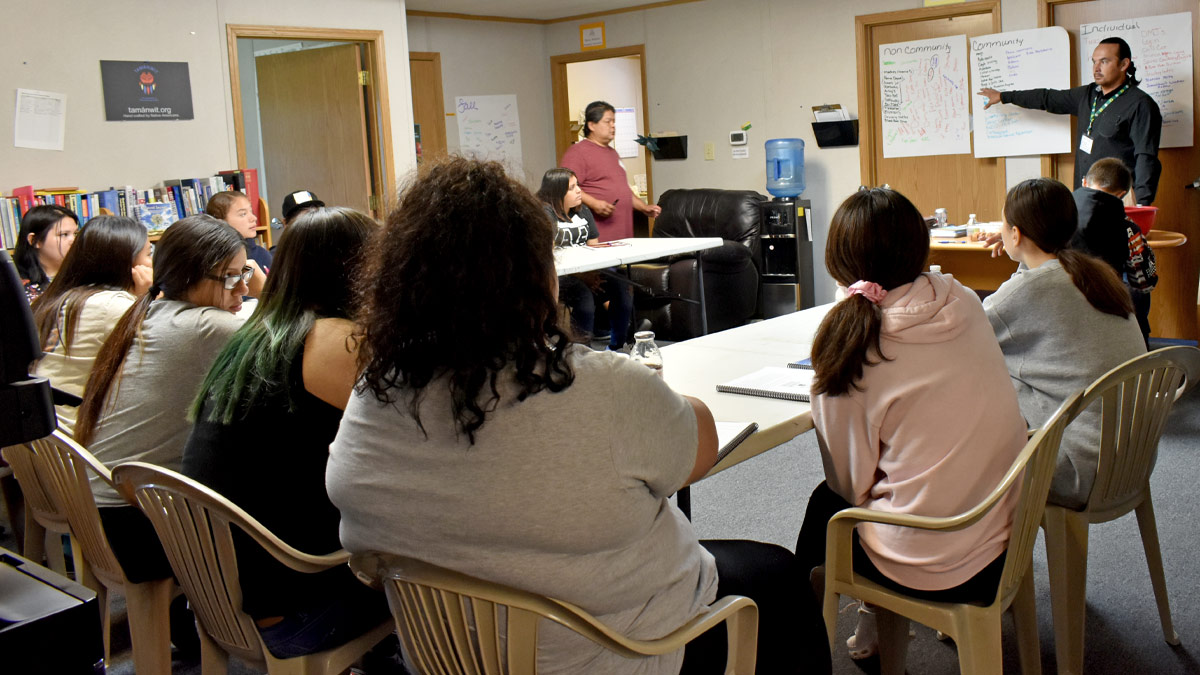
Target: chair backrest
[
  {"x": 1035, "y": 465},
  {"x": 455, "y": 624},
  {"x": 38, "y": 502},
  {"x": 734, "y": 215},
  {"x": 194, "y": 525},
  {"x": 1135, "y": 398},
  {"x": 53, "y": 472}
]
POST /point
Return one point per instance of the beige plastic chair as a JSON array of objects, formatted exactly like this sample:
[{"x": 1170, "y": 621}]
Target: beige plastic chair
[
  {"x": 975, "y": 628},
  {"x": 451, "y": 624},
  {"x": 195, "y": 525},
  {"x": 53, "y": 473},
  {"x": 1135, "y": 399},
  {"x": 45, "y": 524}
]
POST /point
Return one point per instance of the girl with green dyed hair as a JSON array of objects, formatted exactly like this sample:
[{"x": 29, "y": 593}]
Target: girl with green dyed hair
[{"x": 264, "y": 419}]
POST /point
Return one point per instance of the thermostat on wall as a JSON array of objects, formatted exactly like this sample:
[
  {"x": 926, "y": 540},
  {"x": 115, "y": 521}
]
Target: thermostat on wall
[{"x": 737, "y": 138}]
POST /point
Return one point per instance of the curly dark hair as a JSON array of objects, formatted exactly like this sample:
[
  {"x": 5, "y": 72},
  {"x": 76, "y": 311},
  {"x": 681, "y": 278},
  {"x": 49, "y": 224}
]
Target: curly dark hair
[{"x": 463, "y": 288}]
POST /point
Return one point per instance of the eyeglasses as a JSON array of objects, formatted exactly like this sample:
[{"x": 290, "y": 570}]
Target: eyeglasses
[{"x": 230, "y": 281}]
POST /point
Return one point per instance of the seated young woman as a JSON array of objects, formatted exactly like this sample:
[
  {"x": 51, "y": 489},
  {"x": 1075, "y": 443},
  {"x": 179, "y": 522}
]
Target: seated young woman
[
  {"x": 105, "y": 271},
  {"x": 147, "y": 372},
  {"x": 1062, "y": 320},
  {"x": 235, "y": 208},
  {"x": 464, "y": 444},
  {"x": 46, "y": 235},
  {"x": 582, "y": 293},
  {"x": 901, "y": 425},
  {"x": 265, "y": 416}
]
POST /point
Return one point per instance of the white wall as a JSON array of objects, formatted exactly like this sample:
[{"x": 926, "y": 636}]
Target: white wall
[
  {"x": 482, "y": 58},
  {"x": 618, "y": 81},
  {"x": 712, "y": 66},
  {"x": 99, "y": 153}
]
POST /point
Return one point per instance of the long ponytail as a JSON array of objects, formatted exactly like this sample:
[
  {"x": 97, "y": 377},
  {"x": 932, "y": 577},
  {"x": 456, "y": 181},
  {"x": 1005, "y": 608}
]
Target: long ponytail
[
  {"x": 876, "y": 235},
  {"x": 190, "y": 249},
  {"x": 1044, "y": 211}
]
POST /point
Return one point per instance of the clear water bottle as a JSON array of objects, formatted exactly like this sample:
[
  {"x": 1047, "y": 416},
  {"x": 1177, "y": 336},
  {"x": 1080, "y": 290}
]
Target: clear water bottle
[
  {"x": 785, "y": 167},
  {"x": 645, "y": 351},
  {"x": 940, "y": 215},
  {"x": 971, "y": 221}
]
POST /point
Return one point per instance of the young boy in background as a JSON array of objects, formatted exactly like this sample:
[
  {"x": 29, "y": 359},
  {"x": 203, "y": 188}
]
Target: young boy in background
[{"x": 1104, "y": 232}]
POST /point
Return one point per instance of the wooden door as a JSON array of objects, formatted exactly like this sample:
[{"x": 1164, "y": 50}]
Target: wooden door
[
  {"x": 961, "y": 184},
  {"x": 428, "y": 105},
  {"x": 314, "y": 128},
  {"x": 1173, "y": 305}
]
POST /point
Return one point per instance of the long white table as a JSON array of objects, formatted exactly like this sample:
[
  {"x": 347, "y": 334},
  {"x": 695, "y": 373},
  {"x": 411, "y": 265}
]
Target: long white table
[
  {"x": 695, "y": 367},
  {"x": 574, "y": 259}
]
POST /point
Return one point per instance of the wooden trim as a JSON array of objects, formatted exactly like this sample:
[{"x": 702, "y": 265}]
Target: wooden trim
[
  {"x": 378, "y": 61},
  {"x": 863, "y": 24},
  {"x": 623, "y": 10},
  {"x": 558, "y": 86},
  {"x": 1045, "y": 14},
  {"x": 474, "y": 17},
  {"x": 543, "y": 22}
]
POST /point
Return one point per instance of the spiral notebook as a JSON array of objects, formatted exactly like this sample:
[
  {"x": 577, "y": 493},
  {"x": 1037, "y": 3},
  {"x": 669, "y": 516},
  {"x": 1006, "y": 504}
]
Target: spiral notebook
[
  {"x": 792, "y": 384},
  {"x": 731, "y": 434}
]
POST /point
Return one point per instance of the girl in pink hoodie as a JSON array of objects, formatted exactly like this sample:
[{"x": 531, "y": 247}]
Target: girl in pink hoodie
[{"x": 913, "y": 409}]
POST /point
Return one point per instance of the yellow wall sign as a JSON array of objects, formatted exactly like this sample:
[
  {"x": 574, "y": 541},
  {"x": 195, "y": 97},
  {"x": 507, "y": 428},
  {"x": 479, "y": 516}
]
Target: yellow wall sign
[{"x": 591, "y": 36}]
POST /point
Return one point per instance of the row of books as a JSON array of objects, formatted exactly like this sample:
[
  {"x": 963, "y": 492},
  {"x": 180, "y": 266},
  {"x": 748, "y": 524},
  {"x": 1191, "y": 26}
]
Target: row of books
[{"x": 156, "y": 208}]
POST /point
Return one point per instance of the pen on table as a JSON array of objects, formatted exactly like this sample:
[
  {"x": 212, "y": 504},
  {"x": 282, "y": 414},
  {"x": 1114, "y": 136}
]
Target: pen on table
[{"x": 943, "y": 241}]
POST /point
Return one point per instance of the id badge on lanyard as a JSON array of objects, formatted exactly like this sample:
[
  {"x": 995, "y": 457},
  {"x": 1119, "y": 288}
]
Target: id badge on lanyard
[{"x": 1085, "y": 143}]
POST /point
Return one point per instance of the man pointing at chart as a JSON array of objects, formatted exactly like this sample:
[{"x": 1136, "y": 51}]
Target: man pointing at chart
[{"x": 1115, "y": 117}]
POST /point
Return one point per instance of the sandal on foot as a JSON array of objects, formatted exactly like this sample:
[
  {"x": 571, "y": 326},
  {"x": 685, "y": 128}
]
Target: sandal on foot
[{"x": 865, "y": 642}]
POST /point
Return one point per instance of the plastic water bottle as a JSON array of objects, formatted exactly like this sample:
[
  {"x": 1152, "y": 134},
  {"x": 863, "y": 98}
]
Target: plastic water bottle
[
  {"x": 785, "y": 167},
  {"x": 971, "y": 221},
  {"x": 940, "y": 215},
  {"x": 645, "y": 351}
]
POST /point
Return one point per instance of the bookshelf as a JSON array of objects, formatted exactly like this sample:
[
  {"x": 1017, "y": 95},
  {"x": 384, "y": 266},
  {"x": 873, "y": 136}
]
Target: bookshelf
[{"x": 152, "y": 207}]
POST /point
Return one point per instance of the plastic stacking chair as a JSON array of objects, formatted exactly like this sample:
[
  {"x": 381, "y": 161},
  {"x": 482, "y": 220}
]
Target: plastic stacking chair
[
  {"x": 53, "y": 473},
  {"x": 195, "y": 525},
  {"x": 1135, "y": 399},
  {"x": 45, "y": 523},
  {"x": 451, "y": 624},
  {"x": 975, "y": 628}
]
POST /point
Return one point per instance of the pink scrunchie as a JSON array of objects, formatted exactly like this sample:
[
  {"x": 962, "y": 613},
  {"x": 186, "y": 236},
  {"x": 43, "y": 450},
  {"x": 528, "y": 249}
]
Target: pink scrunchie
[{"x": 868, "y": 289}]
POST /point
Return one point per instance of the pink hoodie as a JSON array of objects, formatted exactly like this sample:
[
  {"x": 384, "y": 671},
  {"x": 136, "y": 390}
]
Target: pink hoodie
[{"x": 931, "y": 433}]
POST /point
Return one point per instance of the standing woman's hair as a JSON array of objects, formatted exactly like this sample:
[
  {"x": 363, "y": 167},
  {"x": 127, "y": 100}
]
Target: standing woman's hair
[
  {"x": 314, "y": 277},
  {"x": 220, "y": 203},
  {"x": 38, "y": 221},
  {"x": 100, "y": 259},
  {"x": 462, "y": 286},
  {"x": 554, "y": 191},
  {"x": 1044, "y": 211},
  {"x": 878, "y": 236},
  {"x": 189, "y": 250}
]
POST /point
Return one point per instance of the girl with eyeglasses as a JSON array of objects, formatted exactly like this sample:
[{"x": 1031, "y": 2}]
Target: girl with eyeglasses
[
  {"x": 47, "y": 233},
  {"x": 146, "y": 374},
  {"x": 103, "y": 274}
]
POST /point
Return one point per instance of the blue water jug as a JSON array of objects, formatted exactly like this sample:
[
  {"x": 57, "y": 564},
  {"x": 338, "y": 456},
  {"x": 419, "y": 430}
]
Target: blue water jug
[{"x": 785, "y": 167}]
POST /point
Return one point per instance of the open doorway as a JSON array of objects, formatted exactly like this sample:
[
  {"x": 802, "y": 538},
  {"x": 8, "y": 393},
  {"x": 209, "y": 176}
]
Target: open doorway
[
  {"x": 311, "y": 112},
  {"x": 617, "y": 76}
]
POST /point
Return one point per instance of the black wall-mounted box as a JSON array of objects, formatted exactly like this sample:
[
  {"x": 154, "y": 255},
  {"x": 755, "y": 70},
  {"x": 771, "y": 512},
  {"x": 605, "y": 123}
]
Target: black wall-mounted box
[
  {"x": 670, "y": 147},
  {"x": 833, "y": 134}
]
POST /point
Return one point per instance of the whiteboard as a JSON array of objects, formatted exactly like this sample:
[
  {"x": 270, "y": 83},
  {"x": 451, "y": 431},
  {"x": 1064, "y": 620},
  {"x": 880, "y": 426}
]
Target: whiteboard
[
  {"x": 488, "y": 128},
  {"x": 1023, "y": 59},
  {"x": 1162, "y": 51},
  {"x": 923, "y": 87}
]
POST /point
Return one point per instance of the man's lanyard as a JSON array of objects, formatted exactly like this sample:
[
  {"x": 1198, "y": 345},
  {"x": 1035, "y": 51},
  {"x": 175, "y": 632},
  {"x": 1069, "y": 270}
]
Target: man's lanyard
[{"x": 1096, "y": 113}]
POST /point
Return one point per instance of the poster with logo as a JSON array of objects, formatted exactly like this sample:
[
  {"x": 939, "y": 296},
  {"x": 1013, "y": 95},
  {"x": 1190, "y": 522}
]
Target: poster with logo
[{"x": 146, "y": 90}]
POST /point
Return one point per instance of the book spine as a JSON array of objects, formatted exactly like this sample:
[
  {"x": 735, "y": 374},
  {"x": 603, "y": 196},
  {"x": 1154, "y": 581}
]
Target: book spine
[{"x": 251, "y": 178}]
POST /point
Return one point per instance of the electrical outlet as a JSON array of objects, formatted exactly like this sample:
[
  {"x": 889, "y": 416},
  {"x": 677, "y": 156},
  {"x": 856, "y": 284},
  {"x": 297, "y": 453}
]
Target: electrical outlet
[{"x": 710, "y": 150}]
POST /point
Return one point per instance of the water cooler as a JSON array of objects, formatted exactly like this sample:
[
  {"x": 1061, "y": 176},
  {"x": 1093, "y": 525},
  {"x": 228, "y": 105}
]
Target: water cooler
[{"x": 786, "y": 261}]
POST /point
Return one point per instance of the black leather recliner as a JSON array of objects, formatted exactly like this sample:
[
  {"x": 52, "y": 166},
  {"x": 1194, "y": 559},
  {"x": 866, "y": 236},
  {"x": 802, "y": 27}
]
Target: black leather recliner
[{"x": 731, "y": 274}]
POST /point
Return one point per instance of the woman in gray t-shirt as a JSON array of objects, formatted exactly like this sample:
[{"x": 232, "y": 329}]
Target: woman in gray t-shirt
[{"x": 481, "y": 440}]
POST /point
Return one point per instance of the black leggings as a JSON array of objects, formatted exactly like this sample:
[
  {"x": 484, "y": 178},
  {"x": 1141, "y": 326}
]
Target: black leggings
[
  {"x": 791, "y": 632},
  {"x": 810, "y": 553}
]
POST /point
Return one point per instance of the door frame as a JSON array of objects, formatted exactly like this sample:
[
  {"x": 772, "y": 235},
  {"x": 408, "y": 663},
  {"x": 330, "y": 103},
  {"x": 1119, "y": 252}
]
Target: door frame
[
  {"x": 436, "y": 59},
  {"x": 379, "y": 152},
  {"x": 868, "y": 95},
  {"x": 562, "y": 115}
]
